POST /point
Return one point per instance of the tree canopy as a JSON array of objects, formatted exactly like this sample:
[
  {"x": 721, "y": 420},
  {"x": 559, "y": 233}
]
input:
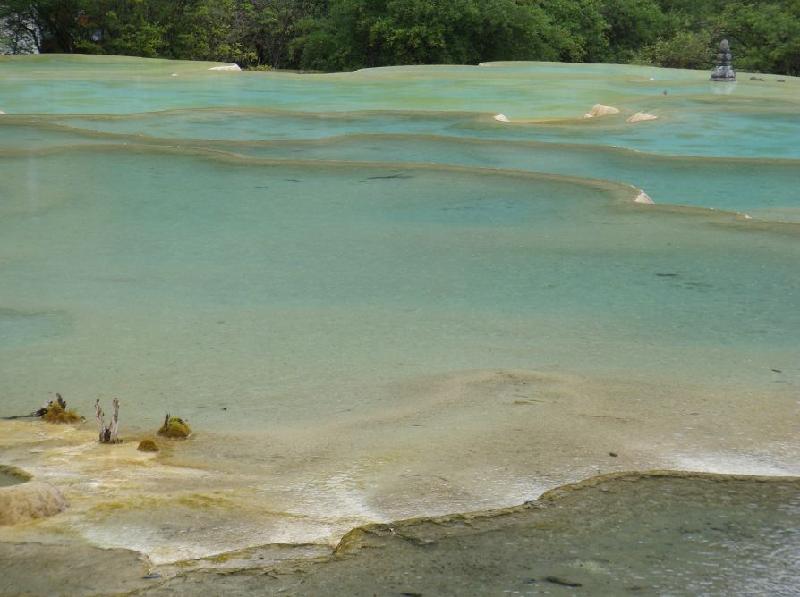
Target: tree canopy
[{"x": 348, "y": 34}]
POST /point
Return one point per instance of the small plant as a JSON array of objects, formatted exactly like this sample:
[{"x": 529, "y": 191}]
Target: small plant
[
  {"x": 259, "y": 67},
  {"x": 108, "y": 434},
  {"x": 147, "y": 445},
  {"x": 175, "y": 428},
  {"x": 56, "y": 412}
]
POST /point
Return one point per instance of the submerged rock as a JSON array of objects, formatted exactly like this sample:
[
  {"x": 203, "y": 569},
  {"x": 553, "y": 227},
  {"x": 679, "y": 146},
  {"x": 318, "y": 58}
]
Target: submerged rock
[
  {"x": 175, "y": 428},
  {"x": 641, "y": 117},
  {"x": 607, "y": 535},
  {"x": 601, "y": 110}
]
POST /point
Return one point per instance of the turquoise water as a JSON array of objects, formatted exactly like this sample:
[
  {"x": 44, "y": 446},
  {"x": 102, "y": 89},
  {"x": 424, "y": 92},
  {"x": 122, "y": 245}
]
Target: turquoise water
[{"x": 373, "y": 301}]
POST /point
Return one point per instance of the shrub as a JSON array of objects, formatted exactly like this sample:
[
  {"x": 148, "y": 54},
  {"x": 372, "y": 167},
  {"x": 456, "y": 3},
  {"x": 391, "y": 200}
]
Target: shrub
[{"x": 175, "y": 428}]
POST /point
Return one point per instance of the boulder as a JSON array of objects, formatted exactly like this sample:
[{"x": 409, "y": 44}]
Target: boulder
[
  {"x": 601, "y": 110},
  {"x": 641, "y": 117},
  {"x": 226, "y": 67},
  {"x": 643, "y": 198},
  {"x": 501, "y": 118}
]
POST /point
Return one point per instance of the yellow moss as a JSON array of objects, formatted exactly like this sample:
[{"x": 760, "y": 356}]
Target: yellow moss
[
  {"x": 202, "y": 501},
  {"x": 110, "y": 506},
  {"x": 148, "y": 445},
  {"x": 223, "y": 557},
  {"x": 175, "y": 428},
  {"x": 57, "y": 414},
  {"x": 195, "y": 501}
]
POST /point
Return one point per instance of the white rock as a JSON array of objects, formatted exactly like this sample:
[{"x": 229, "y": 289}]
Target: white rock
[
  {"x": 1, "y": 112},
  {"x": 643, "y": 198},
  {"x": 601, "y": 110},
  {"x": 501, "y": 118},
  {"x": 226, "y": 67},
  {"x": 641, "y": 117},
  {"x": 174, "y": 75}
]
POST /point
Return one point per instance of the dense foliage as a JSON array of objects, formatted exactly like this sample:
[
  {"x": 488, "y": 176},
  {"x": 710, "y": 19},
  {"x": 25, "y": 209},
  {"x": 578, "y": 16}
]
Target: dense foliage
[{"x": 349, "y": 34}]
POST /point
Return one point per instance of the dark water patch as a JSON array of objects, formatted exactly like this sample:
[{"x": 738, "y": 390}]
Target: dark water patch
[
  {"x": 69, "y": 569},
  {"x": 23, "y": 327},
  {"x": 395, "y": 176},
  {"x": 10, "y": 475}
]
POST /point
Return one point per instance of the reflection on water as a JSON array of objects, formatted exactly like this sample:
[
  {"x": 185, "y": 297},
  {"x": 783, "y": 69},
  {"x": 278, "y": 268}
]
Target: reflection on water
[{"x": 373, "y": 301}]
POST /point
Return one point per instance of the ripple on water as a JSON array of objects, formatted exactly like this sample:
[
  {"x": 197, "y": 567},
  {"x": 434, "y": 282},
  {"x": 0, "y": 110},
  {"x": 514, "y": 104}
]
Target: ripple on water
[
  {"x": 18, "y": 328},
  {"x": 257, "y": 287}
]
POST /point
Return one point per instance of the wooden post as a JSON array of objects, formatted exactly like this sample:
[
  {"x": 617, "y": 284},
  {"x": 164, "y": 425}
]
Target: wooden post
[
  {"x": 115, "y": 421},
  {"x": 101, "y": 425}
]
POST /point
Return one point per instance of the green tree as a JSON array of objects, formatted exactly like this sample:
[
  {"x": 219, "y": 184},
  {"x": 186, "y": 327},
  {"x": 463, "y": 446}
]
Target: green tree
[
  {"x": 765, "y": 37},
  {"x": 349, "y": 34},
  {"x": 685, "y": 50},
  {"x": 633, "y": 24}
]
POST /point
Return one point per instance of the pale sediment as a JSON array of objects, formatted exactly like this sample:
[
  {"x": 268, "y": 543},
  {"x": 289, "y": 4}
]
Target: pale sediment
[
  {"x": 599, "y": 110},
  {"x": 613, "y": 533},
  {"x": 492, "y": 439},
  {"x": 641, "y": 117},
  {"x": 28, "y": 501}
]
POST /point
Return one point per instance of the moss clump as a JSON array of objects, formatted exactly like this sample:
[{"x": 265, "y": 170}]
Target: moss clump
[
  {"x": 175, "y": 428},
  {"x": 147, "y": 445},
  {"x": 56, "y": 413}
]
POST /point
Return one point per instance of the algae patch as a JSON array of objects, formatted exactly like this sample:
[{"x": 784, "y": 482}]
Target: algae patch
[
  {"x": 175, "y": 428},
  {"x": 56, "y": 412},
  {"x": 147, "y": 445},
  {"x": 58, "y": 415}
]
